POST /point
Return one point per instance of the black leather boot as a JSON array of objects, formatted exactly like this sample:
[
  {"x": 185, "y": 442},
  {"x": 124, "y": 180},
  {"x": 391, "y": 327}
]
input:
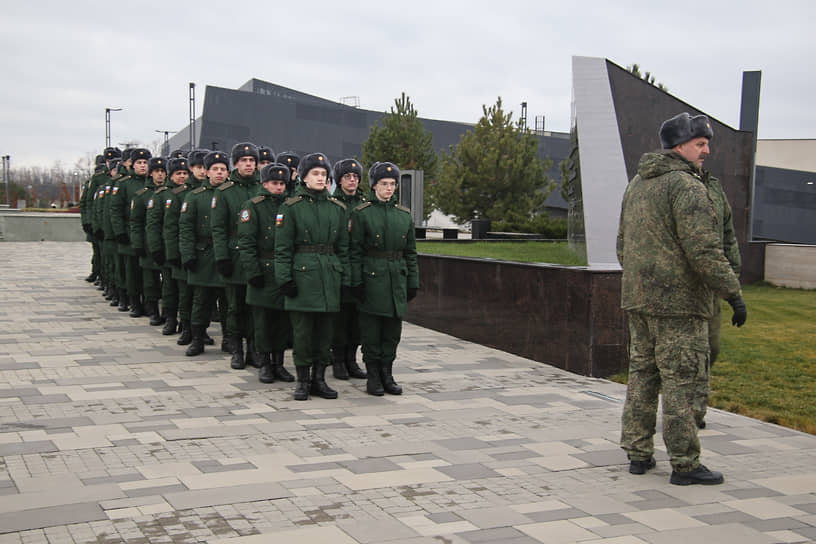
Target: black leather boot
[
  {"x": 266, "y": 374},
  {"x": 123, "y": 301},
  {"x": 196, "y": 346},
  {"x": 136, "y": 307},
  {"x": 374, "y": 384},
  {"x": 186, "y": 334},
  {"x": 339, "y": 363},
  {"x": 226, "y": 340},
  {"x": 277, "y": 367},
  {"x": 114, "y": 301},
  {"x": 237, "y": 362},
  {"x": 253, "y": 358},
  {"x": 391, "y": 387},
  {"x": 302, "y": 385},
  {"x": 352, "y": 367},
  {"x": 171, "y": 324},
  {"x": 156, "y": 316},
  {"x": 319, "y": 385},
  {"x": 91, "y": 278}
]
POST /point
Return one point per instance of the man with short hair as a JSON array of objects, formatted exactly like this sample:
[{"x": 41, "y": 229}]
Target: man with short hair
[
  {"x": 265, "y": 156},
  {"x": 673, "y": 265},
  {"x": 292, "y": 160}
]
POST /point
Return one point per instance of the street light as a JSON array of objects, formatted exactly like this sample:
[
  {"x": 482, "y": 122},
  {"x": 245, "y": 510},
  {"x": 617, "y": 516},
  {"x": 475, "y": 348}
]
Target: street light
[
  {"x": 6, "y": 168},
  {"x": 166, "y": 144},
  {"x": 107, "y": 124}
]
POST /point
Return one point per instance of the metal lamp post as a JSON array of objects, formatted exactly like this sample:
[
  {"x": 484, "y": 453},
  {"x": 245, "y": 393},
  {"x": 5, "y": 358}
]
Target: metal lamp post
[{"x": 107, "y": 124}]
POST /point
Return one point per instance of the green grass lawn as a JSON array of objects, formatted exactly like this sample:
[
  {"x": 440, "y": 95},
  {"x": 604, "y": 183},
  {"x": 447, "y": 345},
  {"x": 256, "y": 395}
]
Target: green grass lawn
[
  {"x": 767, "y": 368},
  {"x": 526, "y": 252}
]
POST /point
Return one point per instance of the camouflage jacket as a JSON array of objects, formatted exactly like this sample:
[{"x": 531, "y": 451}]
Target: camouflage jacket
[
  {"x": 669, "y": 242},
  {"x": 724, "y": 220}
]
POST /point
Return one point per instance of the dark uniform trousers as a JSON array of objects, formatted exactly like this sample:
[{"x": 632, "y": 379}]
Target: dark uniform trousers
[
  {"x": 311, "y": 337},
  {"x": 239, "y": 315},
  {"x": 380, "y": 337},
  {"x": 272, "y": 329},
  {"x": 109, "y": 256},
  {"x": 96, "y": 260},
  {"x": 346, "y": 326},
  {"x": 185, "y": 300},
  {"x": 169, "y": 289},
  {"x": 133, "y": 275},
  {"x": 204, "y": 300},
  {"x": 152, "y": 283}
]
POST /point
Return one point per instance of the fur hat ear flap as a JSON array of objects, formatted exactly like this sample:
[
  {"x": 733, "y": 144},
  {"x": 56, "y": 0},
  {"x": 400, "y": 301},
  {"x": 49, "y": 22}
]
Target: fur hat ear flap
[{"x": 683, "y": 127}]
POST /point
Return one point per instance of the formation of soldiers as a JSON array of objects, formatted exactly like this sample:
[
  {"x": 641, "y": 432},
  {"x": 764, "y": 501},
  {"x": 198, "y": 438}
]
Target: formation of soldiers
[{"x": 263, "y": 249}]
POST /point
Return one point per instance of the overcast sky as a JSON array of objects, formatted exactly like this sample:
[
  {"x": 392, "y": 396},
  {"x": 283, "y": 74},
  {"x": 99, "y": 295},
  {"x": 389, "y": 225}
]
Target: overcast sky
[{"x": 64, "y": 62}]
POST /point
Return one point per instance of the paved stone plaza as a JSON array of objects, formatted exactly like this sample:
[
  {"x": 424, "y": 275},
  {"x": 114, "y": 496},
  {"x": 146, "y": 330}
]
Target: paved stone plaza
[{"x": 108, "y": 433}]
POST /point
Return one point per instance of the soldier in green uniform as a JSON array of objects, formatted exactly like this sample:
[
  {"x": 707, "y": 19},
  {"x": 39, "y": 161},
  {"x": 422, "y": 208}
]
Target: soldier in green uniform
[
  {"x": 725, "y": 228},
  {"x": 85, "y": 212},
  {"x": 110, "y": 154},
  {"x": 347, "y": 174},
  {"x": 673, "y": 263},
  {"x": 227, "y": 203},
  {"x": 196, "y": 248},
  {"x": 109, "y": 252},
  {"x": 311, "y": 265},
  {"x": 98, "y": 180},
  {"x": 256, "y": 241},
  {"x": 120, "y": 219},
  {"x": 122, "y": 174},
  {"x": 292, "y": 160},
  {"x": 265, "y": 156},
  {"x": 141, "y": 204},
  {"x": 384, "y": 274}
]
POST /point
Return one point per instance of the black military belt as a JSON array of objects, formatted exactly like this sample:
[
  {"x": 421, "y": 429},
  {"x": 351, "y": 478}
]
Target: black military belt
[
  {"x": 315, "y": 249},
  {"x": 266, "y": 254},
  {"x": 390, "y": 255}
]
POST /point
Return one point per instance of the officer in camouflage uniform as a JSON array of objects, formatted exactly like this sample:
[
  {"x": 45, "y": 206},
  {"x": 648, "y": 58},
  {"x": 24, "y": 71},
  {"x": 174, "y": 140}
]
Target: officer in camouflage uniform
[
  {"x": 162, "y": 199},
  {"x": 311, "y": 264},
  {"x": 347, "y": 175},
  {"x": 256, "y": 241},
  {"x": 673, "y": 264},
  {"x": 384, "y": 274},
  {"x": 227, "y": 203},
  {"x": 120, "y": 219},
  {"x": 265, "y": 156},
  {"x": 292, "y": 160},
  {"x": 196, "y": 248},
  {"x": 140, "y": 205}
]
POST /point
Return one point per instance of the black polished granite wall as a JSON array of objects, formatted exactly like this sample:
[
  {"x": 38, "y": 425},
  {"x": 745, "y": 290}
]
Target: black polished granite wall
[{"x": 569, "y": 317}]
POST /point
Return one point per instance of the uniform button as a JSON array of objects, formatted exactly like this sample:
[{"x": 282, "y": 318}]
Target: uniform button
[
  {"x": 378, "y": 236},
  {"x": 303, "y": 268}
]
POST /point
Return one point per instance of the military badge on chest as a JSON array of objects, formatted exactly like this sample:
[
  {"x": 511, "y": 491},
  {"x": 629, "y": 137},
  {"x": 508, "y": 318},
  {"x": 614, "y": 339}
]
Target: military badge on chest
[
  {"x": 150, "y": 204},
  {"x": 279, "y": 220},
  {"x": 244, "y": 216},
  {"x": 168, "y": 203},
  {"x": 183, "y": 207},
  {"x": 214, "y": 202}
]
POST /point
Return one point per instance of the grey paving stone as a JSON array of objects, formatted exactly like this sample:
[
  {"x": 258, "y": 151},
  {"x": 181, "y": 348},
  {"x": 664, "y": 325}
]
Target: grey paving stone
[
  {"x": 555, "y": 515},
  {"x": 505, "y": 535},
  {"x": 226, "y": 495},
  {"x": 48, "y": 517},
  {"x": 211, "y": 466},
  {"x": 458, "y": 444},
  {"x": 603, "y": 458},
  {"x": 468, "y": 471},
  {"x": 726, "y": 517},
  {"x": 776, "y": 524},
  {"x": 752, "y": 493},
  {"x": 118, "y": 478},
  {"x": 313, "y": 467},
  {"x": 23, "y": 448},
  {"x": 725, "y": 447},
  {"x": 374, "y": 464},
  {"x": 158, "y": 490},
  {"x": 45, "y": 399},
  {"x": 444, "y": 517},
  {"x": 376, "y": 531},
  {"x": 653, "y": 499},
  {"x": 514, "y": 455},
  {"x": 614, "y": 519}
]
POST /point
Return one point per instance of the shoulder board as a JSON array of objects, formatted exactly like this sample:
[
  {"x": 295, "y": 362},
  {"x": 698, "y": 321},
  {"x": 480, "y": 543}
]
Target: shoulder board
[
  {"x": 225, "y": 186},
  {"x": 160, "y": 189},
  {"x": 179, "y": 189},
  {"x": 257, "y": 199},
  {"x": 123, "y": 178},
  {"x": 199, "y": 190},
  {"x": 141, "y": 191},
  {"x": 363, "y": 206},
  {"x": 293, "y": 200},
  {"x": 338, "y": 203},
  {"x": 403, "y": 208}
]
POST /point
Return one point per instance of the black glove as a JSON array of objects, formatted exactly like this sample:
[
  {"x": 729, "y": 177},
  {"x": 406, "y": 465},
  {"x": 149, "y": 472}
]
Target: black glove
[
  {"x": 123, "y": 238},
  {"x": 224, "y": 267},
  {"x": 191, "y": 265},
  {"x": 740, "y": 311},
  {"x": 99, "y": 234},
  {"x": 257, "y": 281},
  {"x": 289, "y": 289},
  {"x": 359, "y": 292},
  {"x": 412, "y": 291},
  {"x": 158, "y": 257},
  {"x": 140, "y": 252},
  {"x": 87, "y": 227}
]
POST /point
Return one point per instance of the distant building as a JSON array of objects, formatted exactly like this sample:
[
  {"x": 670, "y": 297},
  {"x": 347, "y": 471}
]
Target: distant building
[{"x": 289, "y": 120}]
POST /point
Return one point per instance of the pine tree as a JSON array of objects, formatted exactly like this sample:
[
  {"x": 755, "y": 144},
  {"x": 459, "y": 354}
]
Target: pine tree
[{"x": 494, "y": 172}]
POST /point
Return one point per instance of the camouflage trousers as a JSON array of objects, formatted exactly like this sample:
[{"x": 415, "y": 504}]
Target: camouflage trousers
[
  {"x": 668, "y": 354},
  {"x": 703, "y": 384}
]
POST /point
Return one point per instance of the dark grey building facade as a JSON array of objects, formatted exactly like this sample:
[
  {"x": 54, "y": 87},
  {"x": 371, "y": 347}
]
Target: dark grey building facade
[
  {"x": 784, "y": 205},
  {"x": 289, "y": 120}
]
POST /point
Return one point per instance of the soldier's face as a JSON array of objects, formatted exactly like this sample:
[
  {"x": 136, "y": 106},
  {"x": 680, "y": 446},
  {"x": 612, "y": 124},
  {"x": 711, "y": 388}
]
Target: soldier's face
[
  {"x": 199, "y": 172},
  {"x": 349, "y": 183},
  {"x": 315, "y": 179},
  {"x": 263, "y": 163},
  {"x": 275, "y": 186},
  {"x": 246, "y": 166},
  {"x": 140, "y": 167},
  {"x": 694, "y": 151},
  {"x": 159, "y": 177},
  {"x": 217, "y": 173},
  {"x": 384, "y": 189},
  {"x": 179, "y": 177}
]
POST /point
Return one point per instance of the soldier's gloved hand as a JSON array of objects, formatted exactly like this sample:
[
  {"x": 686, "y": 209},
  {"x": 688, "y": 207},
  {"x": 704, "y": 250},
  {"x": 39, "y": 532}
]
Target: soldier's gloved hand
[
  {"x": 99, "y": 234},
  {"x": 87, "y": 227},
  {"x": 412, "y": 292},
  {"x": 359, "y": 292},
  {"x": 123, "y": 238},
  {"x": 289, "y": 289},
  {"x": 191, "y": 265},
  {"x": 140, "y": 252},
  {"x": 224, "y": 267},
  {"x": 257, "y": 281},
  {"x": 740, "y": 311},
  {"x": 158, "y": 257}
]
